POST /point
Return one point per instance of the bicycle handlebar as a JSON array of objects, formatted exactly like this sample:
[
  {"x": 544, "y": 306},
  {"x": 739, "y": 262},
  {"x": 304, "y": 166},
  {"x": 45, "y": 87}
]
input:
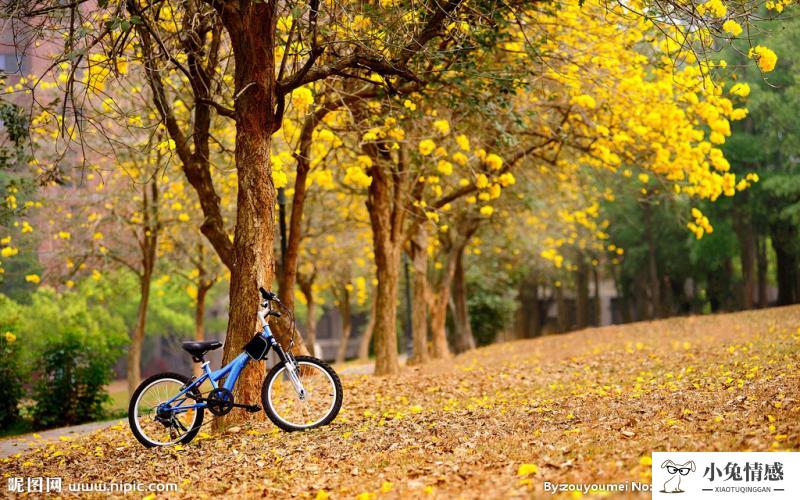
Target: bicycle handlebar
[{"x": 267, "y": 295}]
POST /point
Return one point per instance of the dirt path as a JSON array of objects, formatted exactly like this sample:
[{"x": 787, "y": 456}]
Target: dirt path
[
  {"x": 17, "y": 444},
  {"x": 589, "y": 406}
]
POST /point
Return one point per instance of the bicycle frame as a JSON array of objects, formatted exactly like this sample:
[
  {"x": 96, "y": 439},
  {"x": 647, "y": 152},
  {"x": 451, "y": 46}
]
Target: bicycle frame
[{"x": 229, "y": 372}]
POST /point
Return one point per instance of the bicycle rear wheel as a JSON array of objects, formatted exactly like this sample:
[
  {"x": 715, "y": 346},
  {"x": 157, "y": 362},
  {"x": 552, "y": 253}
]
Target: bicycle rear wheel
[
  {"x": 155, "y": 423},
  {"x": 317, "y": 406}
]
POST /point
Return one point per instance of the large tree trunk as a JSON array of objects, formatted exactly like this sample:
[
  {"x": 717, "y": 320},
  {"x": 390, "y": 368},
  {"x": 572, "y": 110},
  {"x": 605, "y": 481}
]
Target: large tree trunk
[
  {"x": 465, "y": 340},
  {"x": 385, "y": 330},
  {"x": 366, "y": 338},
  {"x": 347, "y": 324},
  {"x": 385, "y": 236},
  {"x": 252, "y": 31},
  {"x": 419, "y": 323}
]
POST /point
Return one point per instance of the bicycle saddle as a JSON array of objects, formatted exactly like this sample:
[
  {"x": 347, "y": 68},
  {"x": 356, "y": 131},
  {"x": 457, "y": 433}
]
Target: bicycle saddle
[{"x": 199, "y": 349}]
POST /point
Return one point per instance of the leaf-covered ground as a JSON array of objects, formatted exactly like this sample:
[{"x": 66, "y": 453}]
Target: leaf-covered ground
[{"x": 584, "y": 407}]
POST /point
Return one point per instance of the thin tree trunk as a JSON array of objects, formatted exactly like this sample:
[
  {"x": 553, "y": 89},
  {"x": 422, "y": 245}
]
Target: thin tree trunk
[
  {"x": 307, "y": 289},
  {"x": 655, "y": 283},
  {"x": 761, "y": 257},
  {"x": 561, "y": 308},
  {"x": 598, "y": 307},
  {"x": 438, "y": 312},
  {"x": 199, "y": 317},
  {"x": 148, "y": 245},
  {"x": 347, "y": 324},
  {"x": 747, "y": 255},
  {"x": 582, "y": 294},
  {"x": 786, "y": 274},
  {"x": 419, "y": 323},
  {"x": 134, "y": 371},
  {"x": 465, "y": 338},
  {"x": 366, "y": 338}
]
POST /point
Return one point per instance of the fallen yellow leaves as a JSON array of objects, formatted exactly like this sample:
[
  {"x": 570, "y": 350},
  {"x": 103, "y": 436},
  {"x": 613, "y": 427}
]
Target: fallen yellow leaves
[{"x": 584, "y": 407}]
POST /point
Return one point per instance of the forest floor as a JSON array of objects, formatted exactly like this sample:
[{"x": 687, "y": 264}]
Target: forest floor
[{"x": 585, "y": 407}]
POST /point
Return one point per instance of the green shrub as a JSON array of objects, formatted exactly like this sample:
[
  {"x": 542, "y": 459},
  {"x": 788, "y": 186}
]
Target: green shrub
[
  {"x": 72, "y": 380},
  {"x": 490, "y": 312},
  {"x": 11, "y": 390}
]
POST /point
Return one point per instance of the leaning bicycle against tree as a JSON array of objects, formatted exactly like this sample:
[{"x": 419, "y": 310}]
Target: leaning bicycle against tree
[{"x": 298, "y": 393}]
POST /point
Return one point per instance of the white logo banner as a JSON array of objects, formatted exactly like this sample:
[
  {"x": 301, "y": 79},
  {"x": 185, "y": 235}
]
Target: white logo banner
[{"x": 689, "y": 475}]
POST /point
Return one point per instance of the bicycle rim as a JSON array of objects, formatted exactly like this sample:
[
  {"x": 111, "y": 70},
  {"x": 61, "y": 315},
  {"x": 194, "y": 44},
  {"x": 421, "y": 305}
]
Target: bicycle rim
[
  {"x": 177, "y": 424},
  {"x": 305, "y": 413}
]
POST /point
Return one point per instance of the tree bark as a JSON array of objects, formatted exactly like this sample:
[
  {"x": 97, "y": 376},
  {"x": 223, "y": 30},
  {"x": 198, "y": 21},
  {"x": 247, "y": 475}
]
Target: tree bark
[
  {"x": 438, "y": 312},
  {"x": 134, "y": 371},
  {"x": 252, "y": 31},
  {"x": 529, "y": 312},
  {"x": 465, "y": 340},
  {"x": 582, "y": 294},
  {"x": 307, "y": 289},
  {"x": 652, "y": 267},
  {"x": 747, "y": 255},
  {"x": 761, "y": 257},
  {"x": 561, "y": 308},
  {"x": 419, "y": 323},
  {"x": 598, "y": 306},
  {"x": 347, "y": 324},
  {"x": 148, "y": 243},
  {"x": 200, "y": 315},
  {"x": 786, "y": 270},
  {"x": 387, "y": 262},
  {"x": 366, "y": 338}
]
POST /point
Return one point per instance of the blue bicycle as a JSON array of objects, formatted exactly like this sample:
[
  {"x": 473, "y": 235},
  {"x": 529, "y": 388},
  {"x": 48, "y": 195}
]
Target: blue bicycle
[{"x": 298, "y": 393}]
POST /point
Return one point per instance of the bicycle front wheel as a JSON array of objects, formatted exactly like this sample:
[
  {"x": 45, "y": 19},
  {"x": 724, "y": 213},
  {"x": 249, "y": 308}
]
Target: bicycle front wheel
[{"x": 314, "y": 402}]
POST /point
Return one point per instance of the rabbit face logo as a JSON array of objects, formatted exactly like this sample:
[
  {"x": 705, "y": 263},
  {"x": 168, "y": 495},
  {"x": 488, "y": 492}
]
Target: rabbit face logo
[{"x": 676, "y": 472}]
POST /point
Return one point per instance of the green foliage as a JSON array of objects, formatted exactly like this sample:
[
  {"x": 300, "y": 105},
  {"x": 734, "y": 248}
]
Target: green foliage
[
  {"x": 768, "y": 139},
  {"x": 11, "y": 390},
  {"x": 73, "y": 376},
  {"x": 491, "y": 310},
  {"x": 68, "y": 343}
]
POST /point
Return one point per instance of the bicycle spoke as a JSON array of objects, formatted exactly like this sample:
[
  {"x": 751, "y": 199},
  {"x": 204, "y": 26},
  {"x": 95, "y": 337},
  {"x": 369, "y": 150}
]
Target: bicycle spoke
[
  {"x": 319, "y": 398},
  {"x": 156, "y": 420}
]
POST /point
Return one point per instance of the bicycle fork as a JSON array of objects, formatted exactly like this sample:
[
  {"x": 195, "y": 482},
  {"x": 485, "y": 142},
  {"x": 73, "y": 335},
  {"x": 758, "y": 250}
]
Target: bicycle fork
[{"x": 291, "y": 368}]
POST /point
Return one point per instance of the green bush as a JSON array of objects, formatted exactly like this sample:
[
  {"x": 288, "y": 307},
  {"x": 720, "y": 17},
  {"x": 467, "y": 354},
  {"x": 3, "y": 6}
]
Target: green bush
[
  {"x": 490, "y": 312},
  {"x": 72, "y": 380},
  {"x": 66, "y": 343},
  {"x": 11, "y": 390}
]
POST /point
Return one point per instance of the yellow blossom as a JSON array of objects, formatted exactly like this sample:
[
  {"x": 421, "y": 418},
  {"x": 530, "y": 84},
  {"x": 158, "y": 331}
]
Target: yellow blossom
[
  {"x": 426, "y": 147},
  {"x": 732, "y": 27},
  {"x": 442, "y": 126},
  {"x": 765, "y": 58}
]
